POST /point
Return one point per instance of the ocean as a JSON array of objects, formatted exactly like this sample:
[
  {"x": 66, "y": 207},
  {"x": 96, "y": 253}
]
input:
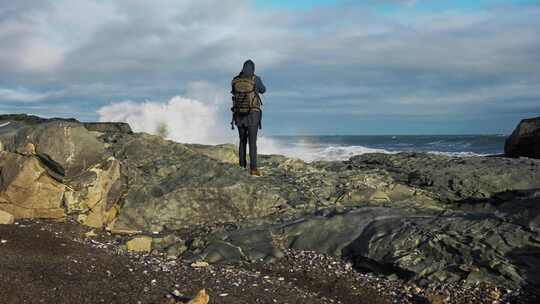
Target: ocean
[{"x": 342, "y": 147}]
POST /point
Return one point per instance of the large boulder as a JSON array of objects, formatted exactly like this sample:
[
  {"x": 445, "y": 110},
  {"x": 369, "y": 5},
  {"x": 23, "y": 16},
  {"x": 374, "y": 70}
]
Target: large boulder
[
  {"x": 525, "y": 140},
  {"x": 94, "y": 195},
  {"x": 59, "y": 163},
  {"x": 171, "y": 186},
  {"x": 26, "y": 188},
  {"x": 67, "y": 148}
]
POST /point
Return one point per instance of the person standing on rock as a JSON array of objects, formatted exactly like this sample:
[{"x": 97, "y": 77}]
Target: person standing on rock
[{"x": 247, "y": 113}]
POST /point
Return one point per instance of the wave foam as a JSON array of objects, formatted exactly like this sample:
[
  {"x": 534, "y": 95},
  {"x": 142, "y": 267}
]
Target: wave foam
[
  {"x": 180, "y": 119},
  {"x": 312, "y": 152},
  {"x": 190, "y": 120},
  {"x": 457, "y": 154}
]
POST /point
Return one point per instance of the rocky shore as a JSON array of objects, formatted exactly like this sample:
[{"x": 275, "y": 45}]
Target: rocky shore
[
  {"x": 65, "y": 265},
  {"x": 426, "y": 221}
]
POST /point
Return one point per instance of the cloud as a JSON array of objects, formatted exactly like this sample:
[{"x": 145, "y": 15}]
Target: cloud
[
  {"x": 26, "y": 50},
  {"x": 364, "y": 61},
  {"x": 23, "y": 95}
]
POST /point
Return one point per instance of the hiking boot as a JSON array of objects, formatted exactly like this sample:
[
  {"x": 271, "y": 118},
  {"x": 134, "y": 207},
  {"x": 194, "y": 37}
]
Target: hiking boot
[{"x": 254, "y": 172}]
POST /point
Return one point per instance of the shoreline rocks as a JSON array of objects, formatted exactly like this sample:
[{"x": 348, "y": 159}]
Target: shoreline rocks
[
  {"x": 525, "y": 140},
  {"x": 411, "y": 215}
]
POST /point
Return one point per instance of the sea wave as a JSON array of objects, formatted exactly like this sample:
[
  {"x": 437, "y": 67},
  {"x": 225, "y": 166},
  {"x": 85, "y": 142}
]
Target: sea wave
[
  {"x": 310, "y": 152},
  {"x": 341, "y": 152},
  {"x": 457, "y": 154}
]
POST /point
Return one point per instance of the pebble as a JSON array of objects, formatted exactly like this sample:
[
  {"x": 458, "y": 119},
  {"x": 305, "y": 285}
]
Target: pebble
[
  {"x": 200, "y": 264},
  {"x": 90, "y": 233}
]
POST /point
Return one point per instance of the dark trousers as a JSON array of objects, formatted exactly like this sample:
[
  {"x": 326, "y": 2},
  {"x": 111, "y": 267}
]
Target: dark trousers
[{"x": 248, "y": 134}]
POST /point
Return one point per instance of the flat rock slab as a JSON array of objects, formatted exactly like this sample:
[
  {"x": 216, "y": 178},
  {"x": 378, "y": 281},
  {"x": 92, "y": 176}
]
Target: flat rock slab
[
  {"x": 455, "y": 179},
  {"x": 446, "y": 247}
]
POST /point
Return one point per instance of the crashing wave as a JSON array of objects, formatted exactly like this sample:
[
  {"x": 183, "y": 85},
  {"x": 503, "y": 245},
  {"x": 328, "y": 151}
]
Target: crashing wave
[{"x": 313, "y": 152}]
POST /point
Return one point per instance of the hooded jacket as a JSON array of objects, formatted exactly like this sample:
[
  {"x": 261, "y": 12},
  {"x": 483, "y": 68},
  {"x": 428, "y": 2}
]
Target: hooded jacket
[
  {"x": 253, "y": 118},
  {"x": 248, "y": 70}
]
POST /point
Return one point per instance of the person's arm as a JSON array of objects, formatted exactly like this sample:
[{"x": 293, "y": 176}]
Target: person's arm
[{"x": 260, "y": 85}]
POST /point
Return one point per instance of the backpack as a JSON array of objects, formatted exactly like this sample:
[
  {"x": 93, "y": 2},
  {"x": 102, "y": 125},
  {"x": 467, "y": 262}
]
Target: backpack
[{"x": 245, "y": 99}]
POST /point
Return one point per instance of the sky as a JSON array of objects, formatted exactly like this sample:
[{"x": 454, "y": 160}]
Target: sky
[{"x": 330, "y": 66}]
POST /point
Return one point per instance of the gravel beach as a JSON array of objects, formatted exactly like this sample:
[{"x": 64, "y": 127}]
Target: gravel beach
[{"x": 55, "y": 262}]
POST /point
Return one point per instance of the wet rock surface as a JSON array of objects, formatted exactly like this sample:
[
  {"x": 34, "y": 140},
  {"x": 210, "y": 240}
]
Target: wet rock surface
[{"x": 409, "y": 216}]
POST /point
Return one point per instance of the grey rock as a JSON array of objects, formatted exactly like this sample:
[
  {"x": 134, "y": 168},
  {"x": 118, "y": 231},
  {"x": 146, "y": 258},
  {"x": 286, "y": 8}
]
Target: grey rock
[
  {"x": 172, "y": 186},
  {"x": 66, "y": 148},
  {"x": 166, "y": 242},
  {"x": 116, "y": 127},
  {"x": 121, "y": 127},
  {"x": 225, "y": 153},
  {"x": 176, "y": 250},
  {"x": 455, "y": 179},
  {"x": 411, "y": 215},
  {"x": 31, "y": 119},
  {"x": 251, "y": 244},
  {"x": 525, "y": 140},
  {"x": 413, "y": 244}
]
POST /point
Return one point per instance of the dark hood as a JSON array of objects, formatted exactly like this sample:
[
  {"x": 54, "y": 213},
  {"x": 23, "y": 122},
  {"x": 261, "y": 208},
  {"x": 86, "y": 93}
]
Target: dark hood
[{"x": 248, "y": 70}]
